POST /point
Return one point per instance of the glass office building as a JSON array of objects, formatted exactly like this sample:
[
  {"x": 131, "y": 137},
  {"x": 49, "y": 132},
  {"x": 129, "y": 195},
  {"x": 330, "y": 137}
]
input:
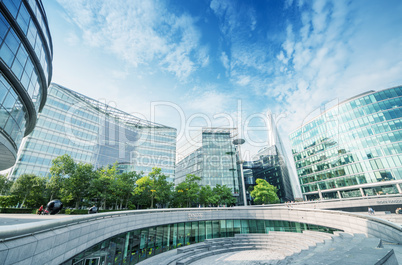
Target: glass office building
[
  {"x": 271, "y": 165},
  {"x": 25, "y": 72},
  {"x": 94, "y": 132},
  {"x": 214, "y": 161},
  {"x": 353, "y": 149}
]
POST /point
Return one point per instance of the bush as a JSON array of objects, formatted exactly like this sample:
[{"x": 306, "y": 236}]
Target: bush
[
  {"x": 17, "y": 210},
  {"x": 8, "y": 201},
  {"x": 75, "y": 211}
]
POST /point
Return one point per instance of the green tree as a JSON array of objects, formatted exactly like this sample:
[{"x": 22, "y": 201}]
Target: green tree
[
  {"x": 123, "y": 186},
  {"x": 187, "y": 192},
  {"x": 143, "y": 191},
  {"x": 102, "y": 186},
  {"x": 77, "y": 185},
  {"x": 224, "y": 194},
  {"x": 155, "y": 187},
  {"x": 264, "y": 193},
  {"x": 28, "y": 189},
  {"x": 5, "y": 185},
  {"x": 62, "y": 167},
  {"x": 207, "y": 197}
]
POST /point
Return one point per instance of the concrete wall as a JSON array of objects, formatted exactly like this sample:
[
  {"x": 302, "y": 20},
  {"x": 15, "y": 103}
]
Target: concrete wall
[{"x": 55, "y": 241}]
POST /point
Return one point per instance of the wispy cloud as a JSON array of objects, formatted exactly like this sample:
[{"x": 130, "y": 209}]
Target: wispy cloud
[
  {"x": 143, "y": 33},
  {"x": 335, "y": 53}
]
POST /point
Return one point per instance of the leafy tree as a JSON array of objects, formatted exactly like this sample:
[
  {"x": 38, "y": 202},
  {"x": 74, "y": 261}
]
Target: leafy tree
[
  {"x": 77, "y": 185},
  {"x": 187, "y": 192},
  {"x": 224, "y": 194},
  {"x": 264, "y": 192},
  {"x": 144, "y": 191},
  {"x": 155, "y": 187},
  {"x": 28, "y": 189},
  {"x": 207, "y": 197},
  {"x": 102, "y": 188},
  {"x": 8, "y": 201},
  {"x": 123, "y": 185},
  {"x": 5, "y": 185},
  {"x": 62, "y": 167}
]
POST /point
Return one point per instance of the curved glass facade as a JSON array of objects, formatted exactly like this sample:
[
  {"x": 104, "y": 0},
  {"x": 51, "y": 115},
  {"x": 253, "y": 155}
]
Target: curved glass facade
[
  {"x": 25, "y": 72},
  {"x": 135, "y": 246},
  {"x": 93, "y": 132},
  {"x": 354, "y": 149}
]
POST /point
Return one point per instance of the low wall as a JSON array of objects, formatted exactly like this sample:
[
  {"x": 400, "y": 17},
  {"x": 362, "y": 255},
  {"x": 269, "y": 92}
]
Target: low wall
[{"x": 55, "y": 241}]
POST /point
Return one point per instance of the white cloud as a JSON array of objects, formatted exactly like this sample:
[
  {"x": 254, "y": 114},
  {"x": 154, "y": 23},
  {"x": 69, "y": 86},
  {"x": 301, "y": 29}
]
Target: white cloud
[
  {"x": 141, "y": 33},
  {"x": 225, "y": 61},
  {"x": 243, "y": 80},
  {"x": 336, "y": 53}
]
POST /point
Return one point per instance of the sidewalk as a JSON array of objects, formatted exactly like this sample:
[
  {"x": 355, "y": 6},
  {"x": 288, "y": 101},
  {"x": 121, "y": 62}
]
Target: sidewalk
[{"x": 23, "y": 218}]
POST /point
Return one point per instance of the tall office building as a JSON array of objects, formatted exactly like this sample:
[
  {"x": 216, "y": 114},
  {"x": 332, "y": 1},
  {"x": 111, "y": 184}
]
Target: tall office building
[
  {"x": 271, "y": 164},
  {"x": 94, "y": 132},
  {"x": 353, "y": 149},
  {"x": 213, "y": 161},
  {"x": 25, "y": 72}
]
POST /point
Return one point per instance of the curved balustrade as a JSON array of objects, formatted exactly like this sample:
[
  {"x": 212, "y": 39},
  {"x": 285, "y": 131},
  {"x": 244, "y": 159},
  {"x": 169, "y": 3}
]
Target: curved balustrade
[{"x": 66, "y": 237}]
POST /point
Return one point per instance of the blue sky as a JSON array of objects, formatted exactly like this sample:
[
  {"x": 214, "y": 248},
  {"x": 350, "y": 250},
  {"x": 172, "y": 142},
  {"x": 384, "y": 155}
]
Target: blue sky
[{"x": 198, "y": 58}]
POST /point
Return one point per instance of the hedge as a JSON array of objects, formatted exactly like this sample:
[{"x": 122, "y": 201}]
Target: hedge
[{"x": 17, "y": 210}]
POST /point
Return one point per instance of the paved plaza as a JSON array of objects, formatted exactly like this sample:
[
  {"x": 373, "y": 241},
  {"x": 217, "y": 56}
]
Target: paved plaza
[
  {"x": 14, "y": 219},
  {"x": 248, "y": 257}
]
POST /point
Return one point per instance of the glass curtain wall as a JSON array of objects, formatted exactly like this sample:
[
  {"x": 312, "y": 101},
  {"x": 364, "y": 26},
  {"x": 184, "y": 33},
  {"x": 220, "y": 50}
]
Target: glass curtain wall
[
  {"x": 138, "y": 245},
  {"x": 25, "y": 72},
  {"x": 214, "y": 161},
  {"x": 357, "y": 143},
  {"x": 93, "y": 132}
]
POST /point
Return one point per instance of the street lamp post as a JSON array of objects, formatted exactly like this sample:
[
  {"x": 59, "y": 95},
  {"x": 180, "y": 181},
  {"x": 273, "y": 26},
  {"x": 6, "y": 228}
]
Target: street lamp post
[{"x": 238, "y": 143}]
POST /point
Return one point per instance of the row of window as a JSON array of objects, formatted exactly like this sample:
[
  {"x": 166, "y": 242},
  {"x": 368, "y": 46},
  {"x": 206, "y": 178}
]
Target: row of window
[
  {"x": 20, "y": 13},
  {"x": 373, "y": 124},
  {"x": 352, "y": 106},
  {"x": 363, "y": 116},
  {"x": 138, "y": 245},
  {"x": 354, "y": 156},
  {"x": 357, "y": 139},
  {"x": 368, "y": 177},
  {"x": 12, "y": 112},
  {"x": 353, "y": 193},
  {"x": 14, "y": 54},
  {"x": 355, "y": 168}
]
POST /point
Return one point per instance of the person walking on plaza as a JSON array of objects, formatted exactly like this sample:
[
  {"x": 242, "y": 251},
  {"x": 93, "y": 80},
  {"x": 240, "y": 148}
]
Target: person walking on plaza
[
  {"x": 93, "y": 209},
  {"x": 40, "y": 210}
]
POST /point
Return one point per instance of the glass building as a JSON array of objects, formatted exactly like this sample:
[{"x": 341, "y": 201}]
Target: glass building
[
  {"x": 94, "y": 132},
  {"x": 25, "y": 72},
  {"x": 353, "y": 149},
  {"x": 214, "y": 161},
  {"x": 135, "y": 246},
  {"x": 271, "y": 165}
]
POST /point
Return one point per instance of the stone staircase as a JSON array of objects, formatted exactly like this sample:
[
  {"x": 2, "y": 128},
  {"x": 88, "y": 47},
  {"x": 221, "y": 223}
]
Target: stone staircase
[
  {"x": 295, "y": 248},
  {"x": 344, "y": 248}
]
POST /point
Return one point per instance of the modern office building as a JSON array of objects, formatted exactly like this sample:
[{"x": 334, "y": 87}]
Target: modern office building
[
  {"x": 353, "y": 149},
  {"x": 271, "y": 165},
  {"x": 94, "y": 132},
  {"x": 25, "y": 72},
  {"x": 213, "y": 161}
]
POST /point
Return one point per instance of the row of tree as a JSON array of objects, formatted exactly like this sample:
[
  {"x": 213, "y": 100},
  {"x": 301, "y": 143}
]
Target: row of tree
[{"x": 80, "y": 185}]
